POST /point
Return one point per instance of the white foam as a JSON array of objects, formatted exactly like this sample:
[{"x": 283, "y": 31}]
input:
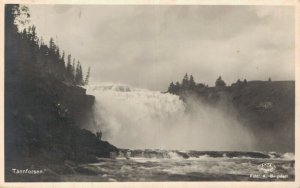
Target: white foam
[
  {"x": 174, "y": 155},
  {"x": 139, "y": 118},
  {"x": 288, "y": 156}
]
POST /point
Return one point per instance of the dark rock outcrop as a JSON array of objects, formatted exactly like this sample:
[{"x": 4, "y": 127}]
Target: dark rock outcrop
[{"x": 43, "y": 125}]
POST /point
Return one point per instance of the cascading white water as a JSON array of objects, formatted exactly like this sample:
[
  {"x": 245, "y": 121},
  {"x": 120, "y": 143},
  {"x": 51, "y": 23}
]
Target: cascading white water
[{"x": 138, "y": 119}]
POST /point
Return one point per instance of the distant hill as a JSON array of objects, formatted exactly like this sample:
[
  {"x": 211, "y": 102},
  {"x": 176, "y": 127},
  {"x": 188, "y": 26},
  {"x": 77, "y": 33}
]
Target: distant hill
[
  {"x": 268, "y": 110},
  {"x": 265, "y": 108}
]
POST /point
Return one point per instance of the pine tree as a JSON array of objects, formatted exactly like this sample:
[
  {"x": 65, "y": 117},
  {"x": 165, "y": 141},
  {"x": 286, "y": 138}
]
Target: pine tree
[
  {"x": 73, "y": 72},
  {"x": 52, "y": 46},
  {"x": 171, "y": 88},
  {"x": 69, "y": 69},
  {"x": 185, "y": 81},
  {"x": 192, "y": 83},
  {"x": 78, "y": 74},
  {"x": 87, "y": 77},
  {"x": 57, "y": 53},
  {"x": 63, "y": 58},
  {"x": 32, "y": 35},
  {"x": 220, "y": 82}
]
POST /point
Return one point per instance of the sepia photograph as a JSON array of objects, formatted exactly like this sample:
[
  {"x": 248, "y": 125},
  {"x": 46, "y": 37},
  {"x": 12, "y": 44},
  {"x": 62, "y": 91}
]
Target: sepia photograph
[{"x": 149, "y": 93}]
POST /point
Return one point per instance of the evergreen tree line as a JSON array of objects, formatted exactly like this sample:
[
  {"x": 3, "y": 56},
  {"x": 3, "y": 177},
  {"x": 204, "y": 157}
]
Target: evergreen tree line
[
  {"x": 30, "y": 53},
  {"x": 188, "y": 83}
]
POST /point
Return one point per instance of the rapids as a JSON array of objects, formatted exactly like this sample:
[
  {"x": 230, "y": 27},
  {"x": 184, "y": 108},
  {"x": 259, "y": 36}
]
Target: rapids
[{"x": 166, "y": 165}]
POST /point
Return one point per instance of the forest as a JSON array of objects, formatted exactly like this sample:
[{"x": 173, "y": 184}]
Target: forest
[
  {"x": 46, "y": 106},
  {"x": 31, "y": 53},
  {"x": 188, "y": 84}
]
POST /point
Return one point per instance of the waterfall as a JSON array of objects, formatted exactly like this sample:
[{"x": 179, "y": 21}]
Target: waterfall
[{"x": 139, "y": 118}]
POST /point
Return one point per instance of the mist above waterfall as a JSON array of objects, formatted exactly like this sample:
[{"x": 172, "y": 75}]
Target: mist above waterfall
[{"x": 139, "y": 119}]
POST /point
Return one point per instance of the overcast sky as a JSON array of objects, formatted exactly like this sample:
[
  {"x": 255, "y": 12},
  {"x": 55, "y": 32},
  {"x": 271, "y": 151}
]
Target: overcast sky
[{"x": 150, "y": 46}]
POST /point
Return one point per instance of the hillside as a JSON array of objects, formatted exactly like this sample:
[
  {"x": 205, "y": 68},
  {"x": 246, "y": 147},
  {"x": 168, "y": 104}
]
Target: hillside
[
  {"x": 45, "y": 109},
  {"x": 42, "y": 126},
  {"x": 268, "y": 110},
  {"x": 265, "y": 108}
]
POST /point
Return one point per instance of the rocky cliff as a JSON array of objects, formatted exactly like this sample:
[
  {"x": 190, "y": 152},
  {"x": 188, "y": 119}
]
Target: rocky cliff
[{"x": 43, "y": 120}]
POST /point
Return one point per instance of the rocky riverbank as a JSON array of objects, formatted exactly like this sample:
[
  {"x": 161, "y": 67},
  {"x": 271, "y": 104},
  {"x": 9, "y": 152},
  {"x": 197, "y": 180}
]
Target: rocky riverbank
[{"x": 43, "y": 128}]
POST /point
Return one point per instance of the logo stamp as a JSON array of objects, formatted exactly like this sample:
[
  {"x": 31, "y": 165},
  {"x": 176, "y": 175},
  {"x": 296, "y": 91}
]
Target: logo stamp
[
  {"x": 266, "y": 167},
  {"x": 268, "y": 172}
]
